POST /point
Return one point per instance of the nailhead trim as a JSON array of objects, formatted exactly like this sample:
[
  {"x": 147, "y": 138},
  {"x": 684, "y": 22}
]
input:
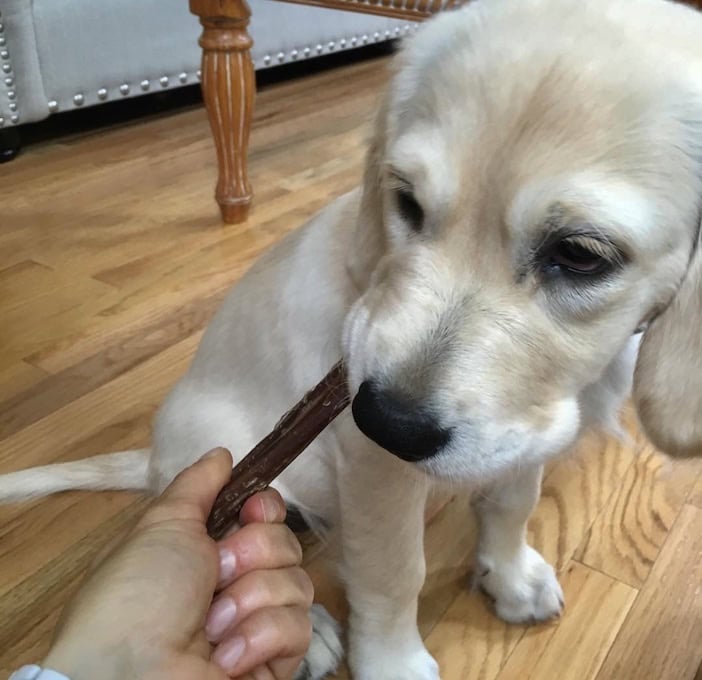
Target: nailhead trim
[
  {"x": 8, "y": 79},
  {"x": 331, "y": 46},
  {"x": 124, "y": 89},
  {"x": 164, "y": 81}
]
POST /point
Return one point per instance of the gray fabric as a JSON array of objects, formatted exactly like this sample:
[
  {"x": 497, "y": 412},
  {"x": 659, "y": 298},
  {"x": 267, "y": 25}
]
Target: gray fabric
[
  {"x": 280, "y": 27},
  {"x": 65, "y": 51},
  {"x": 21, "y": 82}
]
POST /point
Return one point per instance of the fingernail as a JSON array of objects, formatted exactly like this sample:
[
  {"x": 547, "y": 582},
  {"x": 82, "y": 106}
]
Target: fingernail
[
  {"x": 228, "y": 653},
  {"x": 219, "y": 618},
  {"x": 271, "y": 509},
  {"x": 213, "y": 453},
  {"x": 227, "y": 565}
]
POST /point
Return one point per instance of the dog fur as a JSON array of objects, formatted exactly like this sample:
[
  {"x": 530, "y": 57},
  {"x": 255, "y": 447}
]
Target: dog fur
[{"x": 509, "y": 131}]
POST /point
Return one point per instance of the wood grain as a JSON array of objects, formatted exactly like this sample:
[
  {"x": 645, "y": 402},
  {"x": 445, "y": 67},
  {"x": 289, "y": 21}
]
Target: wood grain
[
  {"x": 56, "y": 437},
  {"x": 574, "y": 492},
  {"x": 469, "y": 641},
  {"x": 108, "y": 292},
  {"x": 627, "y": 536},
  {"x": 229, "y": 88},
  {"x": 15, "y": 377},
  {"x": 696, "y": 493},
  {"x": 124, "y": 353},
  {"x": 575, "y": 648},
  {"x": 662, "y": 636}
]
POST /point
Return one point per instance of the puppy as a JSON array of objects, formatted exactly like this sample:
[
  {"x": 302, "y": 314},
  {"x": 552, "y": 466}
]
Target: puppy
[{"x": 530, "y": 209}]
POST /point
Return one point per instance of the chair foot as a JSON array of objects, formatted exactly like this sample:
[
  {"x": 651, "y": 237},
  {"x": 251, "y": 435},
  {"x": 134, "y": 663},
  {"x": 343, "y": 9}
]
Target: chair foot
[
  {"x": 10, "y": 144},
  {"x": 234, "y": 212}
]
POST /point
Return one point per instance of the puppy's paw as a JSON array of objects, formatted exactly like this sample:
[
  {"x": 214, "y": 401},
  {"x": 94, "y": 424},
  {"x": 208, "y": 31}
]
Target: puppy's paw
[
  {"x": 380, "y": 659},
  {"x": 525, "y": 589},
  {"x": 325, "y": 649}
]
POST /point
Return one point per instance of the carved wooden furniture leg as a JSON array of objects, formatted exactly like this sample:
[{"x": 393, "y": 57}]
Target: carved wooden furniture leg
[{"x": 229, "y": 88}]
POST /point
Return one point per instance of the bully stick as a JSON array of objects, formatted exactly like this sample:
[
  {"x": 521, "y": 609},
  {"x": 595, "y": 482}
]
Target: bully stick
[{"x": 290, "y": 437}]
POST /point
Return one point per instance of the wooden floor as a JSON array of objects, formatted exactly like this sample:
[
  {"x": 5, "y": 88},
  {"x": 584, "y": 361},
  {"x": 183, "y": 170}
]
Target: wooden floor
[{"x": 112, "y": 259}]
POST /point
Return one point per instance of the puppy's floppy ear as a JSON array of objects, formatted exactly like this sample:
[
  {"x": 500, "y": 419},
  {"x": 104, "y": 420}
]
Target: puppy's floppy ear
[
  {"x": 370, "y": 239},
  {"x": 668, "y": 377}
]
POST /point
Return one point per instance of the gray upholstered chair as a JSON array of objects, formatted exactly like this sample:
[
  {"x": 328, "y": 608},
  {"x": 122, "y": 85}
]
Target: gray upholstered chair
[{"x": 62, "y": 55}]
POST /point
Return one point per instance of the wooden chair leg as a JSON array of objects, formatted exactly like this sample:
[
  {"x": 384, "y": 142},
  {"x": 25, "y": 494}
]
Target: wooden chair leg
[{"x": 229, "y": 88}]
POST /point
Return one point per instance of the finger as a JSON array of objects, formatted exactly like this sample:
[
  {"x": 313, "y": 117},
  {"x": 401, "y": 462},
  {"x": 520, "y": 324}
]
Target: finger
[
  {"x": 257, "y": 547},
  {"x": 192, "y": 493},
  {"x": 280, "y": 669},
  {"x": 268, "y": 634},
  {"x": 257, "y": 590},
  {"x": 266, "y": 506}
]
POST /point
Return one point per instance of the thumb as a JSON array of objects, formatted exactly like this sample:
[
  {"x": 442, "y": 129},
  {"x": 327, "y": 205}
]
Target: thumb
[{"x": 193, "y": 491}]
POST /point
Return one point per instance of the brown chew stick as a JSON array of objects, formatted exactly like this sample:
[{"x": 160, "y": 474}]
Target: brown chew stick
[{"x": 291, "y": 436}]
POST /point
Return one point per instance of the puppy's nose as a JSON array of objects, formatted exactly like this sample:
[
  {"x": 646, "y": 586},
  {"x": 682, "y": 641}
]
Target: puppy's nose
[{"x": 398, "y": 425}]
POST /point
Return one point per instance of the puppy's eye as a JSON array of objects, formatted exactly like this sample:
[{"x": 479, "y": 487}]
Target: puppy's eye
[
  {"x": 576, "y": 258},
  {"x": 409, "y": 208},
  {"x": 579, "y": 256}
]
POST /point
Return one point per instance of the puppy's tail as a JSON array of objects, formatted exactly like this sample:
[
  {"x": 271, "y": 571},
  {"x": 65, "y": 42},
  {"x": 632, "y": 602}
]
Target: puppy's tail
[{"x": 121, "y": 470}]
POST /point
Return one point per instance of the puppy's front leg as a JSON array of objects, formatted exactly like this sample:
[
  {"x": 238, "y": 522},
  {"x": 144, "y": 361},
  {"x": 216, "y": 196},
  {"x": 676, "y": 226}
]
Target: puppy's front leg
[
  {"x": 382, "y": 529},
  {"x": 522, "y": 583}
]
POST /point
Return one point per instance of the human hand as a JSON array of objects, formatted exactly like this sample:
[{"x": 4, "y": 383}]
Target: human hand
[{"x": 147, "y": 612}]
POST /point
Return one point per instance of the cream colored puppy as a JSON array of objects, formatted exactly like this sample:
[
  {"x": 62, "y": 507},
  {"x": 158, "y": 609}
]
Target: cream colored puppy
[{"x": 531, "y": 202}]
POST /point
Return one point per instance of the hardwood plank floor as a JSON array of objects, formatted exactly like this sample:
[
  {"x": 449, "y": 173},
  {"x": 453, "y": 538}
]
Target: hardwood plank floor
[
  {"x": 112, "y": 261},
  {"x": 662, "y": 636},
  {"x": 583, "y": 636}
]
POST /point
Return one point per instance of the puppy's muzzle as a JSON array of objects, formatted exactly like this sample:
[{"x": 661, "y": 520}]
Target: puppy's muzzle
[{"x": 399, "y": 425}]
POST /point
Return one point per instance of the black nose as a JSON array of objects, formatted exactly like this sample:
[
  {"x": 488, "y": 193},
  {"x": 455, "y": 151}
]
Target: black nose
[{"x": 398, "y": 425}]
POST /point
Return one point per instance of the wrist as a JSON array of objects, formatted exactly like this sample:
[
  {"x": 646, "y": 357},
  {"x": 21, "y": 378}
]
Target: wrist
[
  {"x": 85, "y": 663},
  {"x": 34, "y": 672}
]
